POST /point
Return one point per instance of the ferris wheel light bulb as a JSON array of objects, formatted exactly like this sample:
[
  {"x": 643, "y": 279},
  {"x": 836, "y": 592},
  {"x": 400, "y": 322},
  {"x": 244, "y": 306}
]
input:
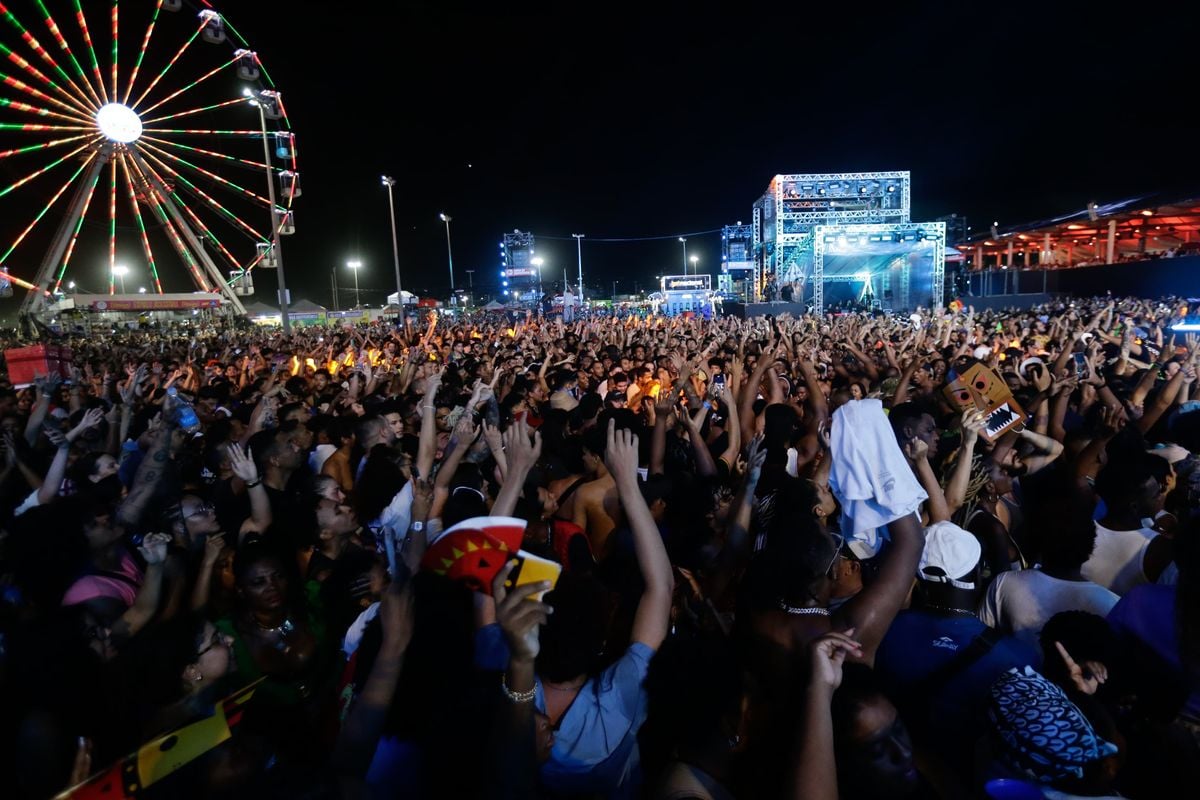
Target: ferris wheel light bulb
[{"x": 119, "y": 123}]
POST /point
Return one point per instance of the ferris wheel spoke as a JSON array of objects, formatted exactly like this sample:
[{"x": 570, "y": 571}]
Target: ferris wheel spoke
[
  {"x": 194, "y": 189},
  {"x": 45, "y": 208},
  {"x": 16, "y": 151},
  {"x": 189, "y": 86},
  {"x": 37, "y": 126},
  {"x": 195, "y": 110},
  {"x": 201, "y": 132},
  {"x": 87, "y": 40},
  {"x": 112, "y": 227},
  {"x": 115, "y": 39},
  {"x": 21, "y": 86},
  {"x": 17, "y": 105},
  {"x": 229, "y": 257},
  {"x": 214, "y": 176},
  {"x": 87, "y": 202},
  {"x": 202, "y": 151},
  {"x": 19, "y": 183},
  {"x": 44, "y": 54},
  {"x": 156, "y": 202},
  {"x": 137, "y": 215},
  {"x": 71, "y": 103},
  {"x": 183, "y": 48},
  {"x": 137, "y": 65}
]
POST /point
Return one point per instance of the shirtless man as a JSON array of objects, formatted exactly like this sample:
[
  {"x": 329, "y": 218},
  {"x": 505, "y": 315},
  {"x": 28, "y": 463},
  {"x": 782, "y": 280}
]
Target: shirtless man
[{"x": 597, "y": 508}]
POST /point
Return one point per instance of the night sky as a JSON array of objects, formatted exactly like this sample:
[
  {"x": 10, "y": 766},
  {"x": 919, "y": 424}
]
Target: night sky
[{"x": 662, "y": 119}]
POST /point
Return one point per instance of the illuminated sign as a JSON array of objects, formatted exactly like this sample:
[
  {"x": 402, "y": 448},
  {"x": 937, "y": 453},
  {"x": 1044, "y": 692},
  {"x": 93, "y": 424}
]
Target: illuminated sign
[{"x": 685, "y": 283}]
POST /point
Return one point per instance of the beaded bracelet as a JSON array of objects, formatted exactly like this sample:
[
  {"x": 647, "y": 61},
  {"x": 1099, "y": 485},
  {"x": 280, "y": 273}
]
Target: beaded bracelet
[{"x": 515, "y": 697}]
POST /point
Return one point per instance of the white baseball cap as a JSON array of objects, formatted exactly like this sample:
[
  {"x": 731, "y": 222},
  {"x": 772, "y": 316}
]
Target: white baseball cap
[{"x": 950, "y": 554}]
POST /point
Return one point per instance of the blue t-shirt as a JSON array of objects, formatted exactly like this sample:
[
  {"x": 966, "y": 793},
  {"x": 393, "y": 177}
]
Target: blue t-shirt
[
  {"x": 595, "y": 747},
  {"x": 1145, "y": 617},
  {"x": 918, "y": 643}
]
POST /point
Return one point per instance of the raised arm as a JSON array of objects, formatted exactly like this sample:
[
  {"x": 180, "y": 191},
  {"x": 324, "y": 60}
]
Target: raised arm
[
  {"x": 360, "y": 734},
  {"x": 872, "y": 610},
  {"x": 917, "y": 452},
  {"x": 1046, "y": 450},
  {"x": 956, "y": 488},
  {"x": 1166, "y": 397},
  {"x": 653, "y": 614},
  {"x": 523, "y": 454},
  {"x": 145, "y": 605},
  {"x": 704, "y": 460},
  {"x": 58, "y": 467},
  {"x": 213, "y": 547},
  {"x": 427, "y": 447},
  {"x": 44, "y": 387},
  {"x": 149, "y": 473},
  {"x": 246, "y": 470},
  {"x": 815, "y": 776}
]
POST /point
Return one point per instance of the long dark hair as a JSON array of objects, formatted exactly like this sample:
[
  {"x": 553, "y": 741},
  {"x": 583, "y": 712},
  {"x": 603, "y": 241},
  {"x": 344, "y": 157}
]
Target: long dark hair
[{"x": 381, "y": 479}]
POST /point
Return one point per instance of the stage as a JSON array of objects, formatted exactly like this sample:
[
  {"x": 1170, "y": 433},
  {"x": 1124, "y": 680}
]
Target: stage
[{"x": 747, "y": 310}]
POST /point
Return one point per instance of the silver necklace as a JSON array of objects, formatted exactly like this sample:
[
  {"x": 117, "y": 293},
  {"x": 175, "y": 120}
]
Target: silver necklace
[{"x": 803, "y": 611}]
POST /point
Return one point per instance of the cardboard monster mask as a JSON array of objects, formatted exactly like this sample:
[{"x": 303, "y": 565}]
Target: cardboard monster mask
[{"x": 981, "y": 388}]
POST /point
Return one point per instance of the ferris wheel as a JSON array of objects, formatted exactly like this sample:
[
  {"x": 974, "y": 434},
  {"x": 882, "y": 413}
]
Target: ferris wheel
[{"x": 135, "y": 141}]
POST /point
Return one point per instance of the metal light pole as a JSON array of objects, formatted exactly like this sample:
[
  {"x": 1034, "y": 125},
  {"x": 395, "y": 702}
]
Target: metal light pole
[
  {"x": 470, "y": 279},
  {"x": 449, "y": 256},
  {"x": 614, "y": 293},
  {"x": 578, "y": 237},
  {"x": 694, "y": 260},
  {"x": 256, "y": 99},
  {"x": 389, "y": 182},
  {"x": 120, "y": 270},
  {"x": 683, "y": 242},
  {"x": 355, "y": 265},
  {"x": 333, "y": 280}
]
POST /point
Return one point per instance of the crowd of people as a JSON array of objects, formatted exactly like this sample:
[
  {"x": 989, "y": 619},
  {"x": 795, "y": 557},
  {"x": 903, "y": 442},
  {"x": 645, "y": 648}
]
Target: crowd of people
[{"x": 793, "y": 557}]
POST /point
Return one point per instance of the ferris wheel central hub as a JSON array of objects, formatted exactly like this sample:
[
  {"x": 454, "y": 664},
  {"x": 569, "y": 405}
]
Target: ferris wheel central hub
[{"x": 119, "y": 123}]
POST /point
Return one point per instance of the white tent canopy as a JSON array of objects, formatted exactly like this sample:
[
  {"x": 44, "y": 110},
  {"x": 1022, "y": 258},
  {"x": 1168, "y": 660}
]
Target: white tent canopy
[{"x": 410, "y": 299}]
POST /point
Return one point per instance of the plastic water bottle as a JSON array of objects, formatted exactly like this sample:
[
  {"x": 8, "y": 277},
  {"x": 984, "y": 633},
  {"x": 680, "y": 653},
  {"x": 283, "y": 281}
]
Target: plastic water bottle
[{"x": 185, "y": 415}]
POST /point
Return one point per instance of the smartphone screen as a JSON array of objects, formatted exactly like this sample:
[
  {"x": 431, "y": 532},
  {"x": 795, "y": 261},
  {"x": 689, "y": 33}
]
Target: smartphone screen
[{"x": 1080, "y": 364}]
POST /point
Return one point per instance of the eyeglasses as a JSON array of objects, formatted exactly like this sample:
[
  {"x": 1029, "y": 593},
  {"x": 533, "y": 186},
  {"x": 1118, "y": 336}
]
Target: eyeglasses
[
  {"x": 837, "y": 551},
  {"x": 201, "y": 510}
]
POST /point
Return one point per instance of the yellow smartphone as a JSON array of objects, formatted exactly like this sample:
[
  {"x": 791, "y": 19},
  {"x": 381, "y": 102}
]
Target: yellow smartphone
[{"x": 531, "y": 569}]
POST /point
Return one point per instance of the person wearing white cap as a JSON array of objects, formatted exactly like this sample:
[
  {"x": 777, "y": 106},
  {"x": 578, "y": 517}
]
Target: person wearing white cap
[{"x": 938, "y": 659}]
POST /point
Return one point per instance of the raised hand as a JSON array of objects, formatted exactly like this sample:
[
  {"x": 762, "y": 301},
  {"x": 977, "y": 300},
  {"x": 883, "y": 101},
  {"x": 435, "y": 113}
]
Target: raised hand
[
  {"x": 1086, "y": 678},
  {"x": 242, "y": 464},
  {"x": 973, "y": 423},
  {"x": 756, "y": 456},
  {"x": 916, "y": 449},
  {"x": 91, "y": 418},
  {"x": 621, "y": 454},
  {"x": 826, "y": 656},
  {"x": 519, "y": 614},
  {"x": 422, "y": 498},
  {"x": 214, "y": 545},
  {"x": 154, "y": 548},
  {"x": 521, "y": 451}
]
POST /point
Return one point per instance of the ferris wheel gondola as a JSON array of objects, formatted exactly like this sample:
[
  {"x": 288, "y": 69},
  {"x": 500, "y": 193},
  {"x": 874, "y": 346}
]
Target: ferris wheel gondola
[{"x": 152, "y": 161}]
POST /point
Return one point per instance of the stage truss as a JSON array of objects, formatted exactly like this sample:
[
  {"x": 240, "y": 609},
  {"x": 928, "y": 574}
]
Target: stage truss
[
  {"x": 785, "y": 215},
  {"x": 891, "y": 242}
]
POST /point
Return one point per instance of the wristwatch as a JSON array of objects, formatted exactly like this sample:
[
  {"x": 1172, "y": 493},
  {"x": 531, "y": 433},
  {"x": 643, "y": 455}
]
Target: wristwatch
[{"x": 416, "y": 526}]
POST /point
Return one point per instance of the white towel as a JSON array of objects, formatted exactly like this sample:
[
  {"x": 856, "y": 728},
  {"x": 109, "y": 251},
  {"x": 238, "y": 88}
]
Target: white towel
[{"x": 869, "y": 474}]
